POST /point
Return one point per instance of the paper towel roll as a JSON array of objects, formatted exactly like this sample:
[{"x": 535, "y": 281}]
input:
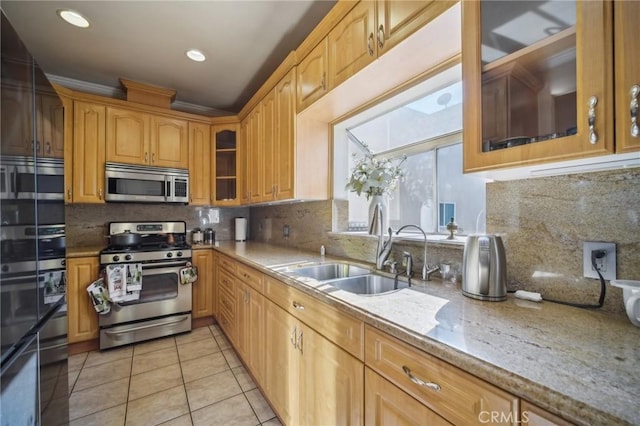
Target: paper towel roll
[{"x": 241, "y": 229}]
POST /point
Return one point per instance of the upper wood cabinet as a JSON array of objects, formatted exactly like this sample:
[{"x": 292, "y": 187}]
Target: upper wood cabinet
[
  {"x": 88, "y": 159},
  {"x": 352, "y": 44},
  {"x": 254, "y": 162},
  {"x": 226, "y": 164},
  {"x": 627, "y": 74},
  {"x": 372, "y": 28},
  {"x": 200, "y": 164},
  {"x": 17, "y": 130},
  {"x": 135, "y": 137},
  {"x": 548, "y": 96},
  {"x": 285, "y": 137},
  {"x": 312, "y": 76},
  {"x": 244, "y": 171},
  {"x": 268, "y": 147},
  {"x": 82, "y": 323}
]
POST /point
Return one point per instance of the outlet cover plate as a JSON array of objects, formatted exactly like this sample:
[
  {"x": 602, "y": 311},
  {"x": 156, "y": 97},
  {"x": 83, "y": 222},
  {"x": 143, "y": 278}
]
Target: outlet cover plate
[
  {"x": 215, "y": 215},
  {"x": 607, "y": 264}
]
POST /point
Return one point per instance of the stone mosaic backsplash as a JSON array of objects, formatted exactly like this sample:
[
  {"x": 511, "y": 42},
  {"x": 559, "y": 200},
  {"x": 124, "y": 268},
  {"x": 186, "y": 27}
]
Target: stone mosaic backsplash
[{"x": 86, "y": 224}]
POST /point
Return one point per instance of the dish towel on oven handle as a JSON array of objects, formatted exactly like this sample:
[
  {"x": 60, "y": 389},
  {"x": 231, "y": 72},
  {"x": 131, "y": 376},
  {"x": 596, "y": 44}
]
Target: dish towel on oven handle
[
  {"x": 188, "y": 274},
  {"x": 122, "y": 286}
]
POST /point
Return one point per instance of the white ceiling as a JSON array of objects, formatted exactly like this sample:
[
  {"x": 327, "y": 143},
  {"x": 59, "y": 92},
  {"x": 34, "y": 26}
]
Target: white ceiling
[{"x": 146, "y": 41}]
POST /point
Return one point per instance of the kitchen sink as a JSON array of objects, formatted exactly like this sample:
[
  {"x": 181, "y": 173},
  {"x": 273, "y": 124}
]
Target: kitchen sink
[
  {"x": 368, "y": 284},
  {"x": 326, "y": 271}
]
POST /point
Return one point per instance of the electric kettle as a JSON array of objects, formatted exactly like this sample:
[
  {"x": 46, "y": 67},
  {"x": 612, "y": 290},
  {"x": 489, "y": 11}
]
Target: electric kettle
[{"x": 484, "y": 268}]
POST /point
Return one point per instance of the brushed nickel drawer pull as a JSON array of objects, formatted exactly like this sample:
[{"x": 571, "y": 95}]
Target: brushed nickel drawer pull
[
  {"x": 420, "y": 382},
  {"x": 381, "y": 36},
  {"x": 293, "y": 337},
  {"x": 300, "y": 342},
  {"x": 298, "y": 306},
  {"x": 370, "y": 44},
  {"x": 593, "y": 136},
  {"x": 635, "y": 91}
]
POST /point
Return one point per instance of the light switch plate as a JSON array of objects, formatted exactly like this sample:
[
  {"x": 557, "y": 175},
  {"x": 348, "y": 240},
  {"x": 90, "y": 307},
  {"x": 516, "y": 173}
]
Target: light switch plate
[{"x": 607, "y": 264}]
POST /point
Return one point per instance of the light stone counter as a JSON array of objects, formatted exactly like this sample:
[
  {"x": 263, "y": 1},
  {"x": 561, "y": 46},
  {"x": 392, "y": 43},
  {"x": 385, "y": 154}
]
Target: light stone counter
[
  {"x": 88, "y": 251},
  {"x": 580, "y": 364}
]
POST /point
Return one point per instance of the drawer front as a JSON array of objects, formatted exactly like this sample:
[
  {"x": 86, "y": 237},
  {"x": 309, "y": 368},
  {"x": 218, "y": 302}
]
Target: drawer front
[
  {"x": 228, "y": 324},
  {"x": 226, "y": 282},
  {"x": 340, "y": 328},
  {"x": 457, "y": 396},
  {"x": 227, "y": 263},
  {"x": 250, "y": 277}
]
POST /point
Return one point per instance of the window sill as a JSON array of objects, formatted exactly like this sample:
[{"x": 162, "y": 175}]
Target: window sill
[{"x": 438, "y": 239}]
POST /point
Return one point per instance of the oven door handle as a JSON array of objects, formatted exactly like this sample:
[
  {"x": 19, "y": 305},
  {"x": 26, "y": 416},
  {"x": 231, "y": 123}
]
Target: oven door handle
[
  {"x": 147, "y": 270},
  {"x": 144, "y": 327}
]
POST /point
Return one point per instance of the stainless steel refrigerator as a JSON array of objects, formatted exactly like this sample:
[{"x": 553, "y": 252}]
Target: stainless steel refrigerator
[{"x": 33, "y": 310}]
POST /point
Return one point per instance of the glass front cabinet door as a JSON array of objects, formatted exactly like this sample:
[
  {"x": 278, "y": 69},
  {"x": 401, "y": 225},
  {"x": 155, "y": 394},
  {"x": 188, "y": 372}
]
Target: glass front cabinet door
[
  {"x": 226, "y": 164},
  {"x": 538, "y": 81}
]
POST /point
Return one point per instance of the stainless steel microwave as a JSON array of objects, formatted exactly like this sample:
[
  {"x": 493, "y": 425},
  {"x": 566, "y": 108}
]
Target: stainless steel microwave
[
  {"x": 28, "y": 178},
  {"x": 145, "y": 184}
]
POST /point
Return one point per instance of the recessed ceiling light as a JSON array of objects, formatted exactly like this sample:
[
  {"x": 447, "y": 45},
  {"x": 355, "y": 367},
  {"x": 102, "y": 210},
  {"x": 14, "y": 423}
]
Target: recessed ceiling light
[
  {"x": 196, "y": 55},
  {"x": 74, "y": 18}
]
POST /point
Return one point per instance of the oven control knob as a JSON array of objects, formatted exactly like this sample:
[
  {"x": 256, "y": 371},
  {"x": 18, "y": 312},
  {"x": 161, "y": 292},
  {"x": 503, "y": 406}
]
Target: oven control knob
[
  {"x": 169, "y": 254},
  {"x": 127, "y": 257},
  {"x": 179, "y": 254},
  {"x": 116, "y": 258},
  {"x": 5, "y": 268}
]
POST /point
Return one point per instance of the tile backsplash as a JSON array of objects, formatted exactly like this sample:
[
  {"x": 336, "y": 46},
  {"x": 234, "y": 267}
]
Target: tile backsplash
[
  {"x": 86, "y": 224},
  {"x": 543, "y": 221}
]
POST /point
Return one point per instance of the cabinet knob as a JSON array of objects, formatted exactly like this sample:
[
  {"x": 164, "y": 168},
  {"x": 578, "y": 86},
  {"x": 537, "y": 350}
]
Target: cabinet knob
[
  {"x": 298, "y": 306},
  {"x": 293, "y": 337},
  {"x": 381, "y": 36},
  {"x": 635, "y": 91},
  {"x": 370, "y": 44},
  {"x": 593, "y": 136}
]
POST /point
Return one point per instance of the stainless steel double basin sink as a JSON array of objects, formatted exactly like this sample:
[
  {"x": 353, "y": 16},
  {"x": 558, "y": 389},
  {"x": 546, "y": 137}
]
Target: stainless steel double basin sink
[{"x": 347, "y": 277}]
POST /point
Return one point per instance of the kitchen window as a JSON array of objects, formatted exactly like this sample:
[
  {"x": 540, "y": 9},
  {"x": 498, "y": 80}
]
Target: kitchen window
[{"x": 423, "y": 124}]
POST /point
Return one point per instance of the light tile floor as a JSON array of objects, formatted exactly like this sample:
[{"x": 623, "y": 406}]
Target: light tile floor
[{"x": 189, "y": 379}]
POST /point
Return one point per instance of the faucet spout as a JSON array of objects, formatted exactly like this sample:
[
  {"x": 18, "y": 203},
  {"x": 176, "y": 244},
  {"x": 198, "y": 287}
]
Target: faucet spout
[{"x": 426, "y": 273}]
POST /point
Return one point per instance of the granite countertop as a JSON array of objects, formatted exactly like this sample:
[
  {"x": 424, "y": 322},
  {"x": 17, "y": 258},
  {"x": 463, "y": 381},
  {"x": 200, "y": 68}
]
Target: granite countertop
[{"x": 577, "y": 363}]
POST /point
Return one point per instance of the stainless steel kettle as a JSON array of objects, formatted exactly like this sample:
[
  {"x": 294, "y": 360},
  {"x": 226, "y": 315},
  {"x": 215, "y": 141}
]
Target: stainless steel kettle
[{"x": 484, "y": 268}]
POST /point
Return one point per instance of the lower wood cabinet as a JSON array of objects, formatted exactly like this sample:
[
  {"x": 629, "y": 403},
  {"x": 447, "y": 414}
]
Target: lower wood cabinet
[
  {"x": 202, "y": 289},
  {"x": 309, "y": 380},
  {"x": 82, "y": 320},
  {"x": 386, "y": 404},
  {"x": 250, "y": 328},
  {"x": 530, "y": 415}
]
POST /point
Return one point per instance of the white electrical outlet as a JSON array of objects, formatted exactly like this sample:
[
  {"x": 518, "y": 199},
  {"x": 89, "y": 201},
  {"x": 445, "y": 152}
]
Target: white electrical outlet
[
  {"x": 606, "y": 264},
  {"x": 215, "y": 215}
]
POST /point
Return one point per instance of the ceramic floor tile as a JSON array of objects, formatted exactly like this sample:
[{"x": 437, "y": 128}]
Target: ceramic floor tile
[
  {"x": 75, "y": 362},
  {"x": 215, "y": 330},
  {"x": 197, "y": 349},
  {"x": 260, "y": 405},
  {"x": 154, "y": 360},
  {"x": 272, "y": 422},
  {"x": 158, "y": 407},
  {"x": 194, "y": 335},
  {"x": 98, "y": 398},
  {"x": 153, "y": 345},
  {"x": 207, "y": 365},
  {"x": 211, "y": 389},
  {"x": 243, "y": 378},
  {"x": 223, "y": 342},
  {"x": 232, "y": 358},
  {"x": 234, "y": 411},
  {"x": 95, "y": 358},
  {"x": 73, "y": 376},
  {"x": 110, "y": 417},
  {"x": 179, "y": 421},
  {"x": 103, "y": 373},
  {"x": 153, "y": 381}
]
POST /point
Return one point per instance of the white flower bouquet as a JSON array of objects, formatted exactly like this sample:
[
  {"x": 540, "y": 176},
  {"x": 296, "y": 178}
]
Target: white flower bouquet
[{"x": 373, "y": 176}]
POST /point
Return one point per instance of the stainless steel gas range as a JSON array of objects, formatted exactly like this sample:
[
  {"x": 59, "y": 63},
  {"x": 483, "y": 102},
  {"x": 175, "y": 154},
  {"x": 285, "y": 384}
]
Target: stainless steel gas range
[{"x": 163, "y": 307}]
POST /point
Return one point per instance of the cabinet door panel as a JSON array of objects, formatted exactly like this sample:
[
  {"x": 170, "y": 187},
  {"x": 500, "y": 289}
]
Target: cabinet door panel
[
  {"x": 127, "y": 136},
  {"x": 268, "y": 147},
  {"x": 17, "y": 132},
  {"x": 244, "y": 167},
  {"x": 333, "y": 381},
  {"x": 202, "y": 290},
  {"x": 627, "y": 69},
  {"x": 88, "y": 153},
  {"x": 385, "y": 404},
  {"x": 169, "y": 142},
  {"x": 83, "y": 319},
  {"x": 281, "y": 363},
  {"x": 352, "y": 44},
  {"x": 52, "y": 125},
  {"x": 285, "y": 137},
  {"x": 255, "y": 156},
  {"x": 312, "y": 75},
  {"x": 199, "y": 164}
]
